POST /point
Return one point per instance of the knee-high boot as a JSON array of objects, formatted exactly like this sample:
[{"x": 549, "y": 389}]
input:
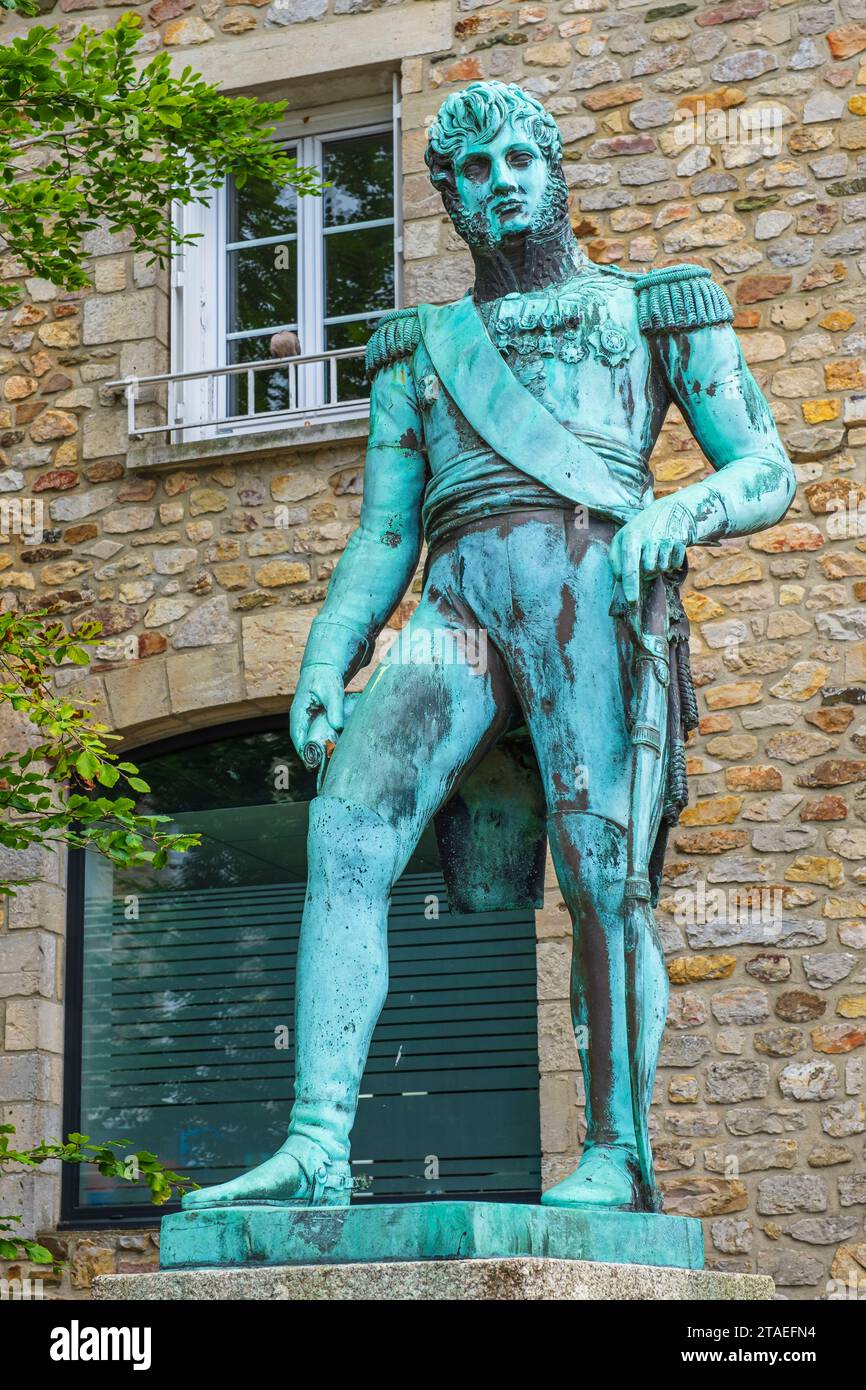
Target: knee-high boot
[
  {"x": 589, "y": 854},
  {"x": 342, "y": 979},
  {"x": 342, "y": 976}
]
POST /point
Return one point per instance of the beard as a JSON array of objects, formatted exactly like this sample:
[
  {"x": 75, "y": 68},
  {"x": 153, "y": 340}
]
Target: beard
[{"x": 476, "y": 230}]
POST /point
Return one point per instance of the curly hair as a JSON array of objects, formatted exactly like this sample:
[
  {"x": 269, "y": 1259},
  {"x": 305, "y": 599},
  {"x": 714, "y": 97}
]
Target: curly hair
[{"x": 477, "y": 114}]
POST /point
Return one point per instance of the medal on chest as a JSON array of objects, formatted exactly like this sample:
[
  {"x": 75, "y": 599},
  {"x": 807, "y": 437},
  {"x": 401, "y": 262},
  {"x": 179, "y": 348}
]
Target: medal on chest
[{"x": 567, "y": 328}]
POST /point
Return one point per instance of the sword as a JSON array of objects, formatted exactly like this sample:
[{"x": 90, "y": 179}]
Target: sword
[{"x": 640, "y": 938}]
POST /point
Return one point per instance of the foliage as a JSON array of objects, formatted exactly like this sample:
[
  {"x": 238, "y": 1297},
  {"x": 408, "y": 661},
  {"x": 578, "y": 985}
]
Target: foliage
[
  {"x": 80, "y": 1148},
  {"x": 54, "y": 792},
  {"x": 90, "y": 136}
]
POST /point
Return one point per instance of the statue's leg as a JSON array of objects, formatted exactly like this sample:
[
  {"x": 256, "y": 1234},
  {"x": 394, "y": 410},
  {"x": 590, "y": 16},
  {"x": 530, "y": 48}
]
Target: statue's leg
[
  {"x": 419, "y": 724},
  {"x": 589, "y": 857},
  {"x": 589, "y": 853},
  {"x": 570, "y": 661}
]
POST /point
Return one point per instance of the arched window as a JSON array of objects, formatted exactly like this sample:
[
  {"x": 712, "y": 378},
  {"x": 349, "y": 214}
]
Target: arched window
[{"x": 181, "y": 999}]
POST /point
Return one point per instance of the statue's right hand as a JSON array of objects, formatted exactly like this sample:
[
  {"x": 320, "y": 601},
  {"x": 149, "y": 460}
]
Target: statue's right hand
[{"x": 320, "y": 688}]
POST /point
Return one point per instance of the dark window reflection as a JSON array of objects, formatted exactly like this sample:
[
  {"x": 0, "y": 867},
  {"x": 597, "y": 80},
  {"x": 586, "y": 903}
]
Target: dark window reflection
[
  {"x": 263, "y": 287},
  {"x": 188, "y": 994},
  {"x": 261, "y": 209},
  {"x": 271, "y": 386},
  {"x": 352, "y": 383},
  {"x": 359, "y": 271},
  {"x": 361, "y": 170}
]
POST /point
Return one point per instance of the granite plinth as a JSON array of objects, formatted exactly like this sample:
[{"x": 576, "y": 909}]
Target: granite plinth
[{"x": 526, "y": 1279}]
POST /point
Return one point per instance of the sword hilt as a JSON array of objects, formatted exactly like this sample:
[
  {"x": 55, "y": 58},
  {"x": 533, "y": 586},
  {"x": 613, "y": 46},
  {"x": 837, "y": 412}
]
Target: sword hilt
[{"x": 637, "y": 888}]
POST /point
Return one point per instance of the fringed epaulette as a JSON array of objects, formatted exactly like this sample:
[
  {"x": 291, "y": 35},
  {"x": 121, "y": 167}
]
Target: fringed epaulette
[
  {"x": 397, "y": 335},
  {"x": 680, "y": 297}
]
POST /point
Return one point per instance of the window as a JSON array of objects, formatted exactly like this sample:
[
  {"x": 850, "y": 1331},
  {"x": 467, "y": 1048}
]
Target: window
[
  {"x": 181, "y": 988},
  {"x": 322, "y": 268}
]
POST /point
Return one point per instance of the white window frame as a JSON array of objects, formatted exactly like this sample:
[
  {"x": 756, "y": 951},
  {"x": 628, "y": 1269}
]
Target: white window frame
[{"x": 199, "y": 319}]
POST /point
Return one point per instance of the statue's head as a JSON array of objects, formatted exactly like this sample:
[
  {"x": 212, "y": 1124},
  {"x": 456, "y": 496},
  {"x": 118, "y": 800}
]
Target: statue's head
[{"x": 495, "y": 156}]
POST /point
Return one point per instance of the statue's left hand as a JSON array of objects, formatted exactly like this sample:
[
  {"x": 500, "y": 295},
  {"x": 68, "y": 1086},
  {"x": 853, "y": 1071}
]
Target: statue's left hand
[{"x": 652, "y": 543}]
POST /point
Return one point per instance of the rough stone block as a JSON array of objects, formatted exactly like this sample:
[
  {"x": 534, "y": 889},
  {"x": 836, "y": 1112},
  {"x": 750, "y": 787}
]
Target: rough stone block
[
  {"x": 30, "y": 1076},
  {"x": 204, "y": 679},
  {"x": 137, "y": 694},
  {"x": 115, "y": 318},
  {"x": 33, "y": 1024},
  {"x": 28, "y": 964},
  {"x": 273, "y": 645}
]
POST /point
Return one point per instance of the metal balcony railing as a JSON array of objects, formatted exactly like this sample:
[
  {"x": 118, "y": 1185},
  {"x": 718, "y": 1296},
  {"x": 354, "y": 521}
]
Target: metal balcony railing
[{"x": 246, "y": 396}]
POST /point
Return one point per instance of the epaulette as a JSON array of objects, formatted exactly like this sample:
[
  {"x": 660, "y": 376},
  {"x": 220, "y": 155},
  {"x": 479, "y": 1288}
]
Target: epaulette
[
  {"x": 680, "y": 297},
  {"x": 397, "y": 335}
]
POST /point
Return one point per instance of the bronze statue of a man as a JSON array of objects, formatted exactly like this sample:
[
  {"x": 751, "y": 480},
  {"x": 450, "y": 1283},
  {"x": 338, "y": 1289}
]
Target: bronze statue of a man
[{"x": 512, "y": 430}]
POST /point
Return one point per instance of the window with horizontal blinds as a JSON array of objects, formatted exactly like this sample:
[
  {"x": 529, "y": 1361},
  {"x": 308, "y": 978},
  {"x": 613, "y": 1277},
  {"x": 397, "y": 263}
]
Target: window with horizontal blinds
[{"x": 187, "y": 980}]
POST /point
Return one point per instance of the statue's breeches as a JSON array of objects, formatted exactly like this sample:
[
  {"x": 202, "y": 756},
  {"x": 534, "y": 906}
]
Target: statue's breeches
[{"x": 514, "y": 627}]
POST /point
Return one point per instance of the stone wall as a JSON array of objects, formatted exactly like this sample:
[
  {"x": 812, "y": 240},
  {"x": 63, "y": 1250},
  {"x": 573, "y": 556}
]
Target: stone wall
[
  {"x": 759, "y": 1119},
  {"x": 81, "y": 1256}
]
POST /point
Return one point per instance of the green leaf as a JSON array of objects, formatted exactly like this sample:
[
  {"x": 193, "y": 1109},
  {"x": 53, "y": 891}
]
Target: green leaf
[
  {"x": 38, "y": 1253},
  {"x": 87, "y": 765}
]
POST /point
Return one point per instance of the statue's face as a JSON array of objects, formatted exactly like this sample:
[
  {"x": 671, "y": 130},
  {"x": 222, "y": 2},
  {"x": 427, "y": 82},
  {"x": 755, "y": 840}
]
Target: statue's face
[{"x": 501, "y": 185}]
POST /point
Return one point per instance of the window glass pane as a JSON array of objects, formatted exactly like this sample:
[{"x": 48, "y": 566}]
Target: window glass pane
[
  {"x": 189, "y": 978},
  {"x": 361, "y": 170},
  {"x": 262, "y": 286},
  {"x": 359, "y": 271},
  {"x": 352, "y": 382},
  {"x": 261, "y": 209},
  {"x": 272, "y": 387}
]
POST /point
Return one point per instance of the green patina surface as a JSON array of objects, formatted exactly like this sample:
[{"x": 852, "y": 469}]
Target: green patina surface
[
  {"x": 287, "y": 1235},
  {"x": 513, "y": 429}
]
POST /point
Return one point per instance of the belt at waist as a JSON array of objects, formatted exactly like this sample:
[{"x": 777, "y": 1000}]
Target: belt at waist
[{"x": 554, "y": 512}]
